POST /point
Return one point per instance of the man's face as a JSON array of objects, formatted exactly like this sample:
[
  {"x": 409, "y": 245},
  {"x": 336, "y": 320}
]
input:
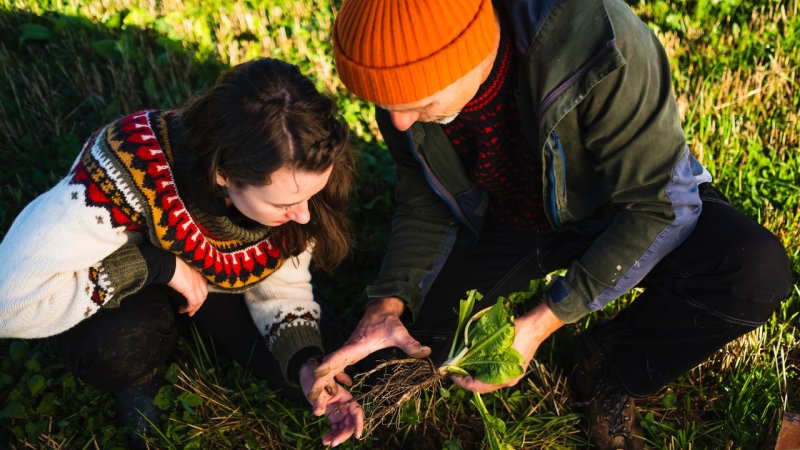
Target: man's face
[{"x": 443, "y": 106}]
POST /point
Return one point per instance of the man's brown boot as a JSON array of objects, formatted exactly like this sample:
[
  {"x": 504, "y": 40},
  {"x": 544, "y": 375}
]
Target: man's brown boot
[
  {"x": 612, "y": 418},
  {"x": 608, "y": 408}
]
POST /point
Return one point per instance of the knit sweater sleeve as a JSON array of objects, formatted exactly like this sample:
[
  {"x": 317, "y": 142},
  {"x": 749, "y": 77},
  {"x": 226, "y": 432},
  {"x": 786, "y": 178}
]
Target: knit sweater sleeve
[
  {"x": 284, "y": 310},
  {"x": 62, "y": 260}
]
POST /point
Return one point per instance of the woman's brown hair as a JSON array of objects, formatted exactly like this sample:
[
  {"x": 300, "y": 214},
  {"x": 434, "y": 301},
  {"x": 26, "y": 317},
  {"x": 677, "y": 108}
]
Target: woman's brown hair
[{"x": 261, "y": 116}]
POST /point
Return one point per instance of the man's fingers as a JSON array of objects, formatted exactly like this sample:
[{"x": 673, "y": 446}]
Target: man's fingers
[
  {"x": 471, "y": 384},
  {"x": 420, "y": 352},
  {"x": 344, "y": 379},
  {"x": 412, "y": 347},
  {"x": 338, "y": 360},
  {"x": 464, "y": 382}
]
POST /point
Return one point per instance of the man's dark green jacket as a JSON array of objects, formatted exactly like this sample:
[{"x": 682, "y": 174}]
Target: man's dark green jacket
[{"x": 595, "y": 96}]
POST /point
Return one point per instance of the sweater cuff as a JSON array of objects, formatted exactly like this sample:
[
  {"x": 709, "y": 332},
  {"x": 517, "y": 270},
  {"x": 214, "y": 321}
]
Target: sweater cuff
[
  {"x": 160, "y": 264},
  {"x": 126, "y": 271},
  {"x": 293, "y": 369},
  {"x": 565, "y": 301},
  {"x": 290, "y": 342}
]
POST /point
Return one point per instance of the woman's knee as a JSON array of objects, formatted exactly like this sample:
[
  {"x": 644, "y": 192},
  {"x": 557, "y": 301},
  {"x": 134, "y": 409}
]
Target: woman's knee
[{"x": 116, "y": 347}]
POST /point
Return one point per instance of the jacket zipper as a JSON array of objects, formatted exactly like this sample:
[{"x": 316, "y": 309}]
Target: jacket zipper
[
  {"x": 552, "y": 96},
  {"x": 557, "y": 153},
  {"x": 436, "y": 185}
]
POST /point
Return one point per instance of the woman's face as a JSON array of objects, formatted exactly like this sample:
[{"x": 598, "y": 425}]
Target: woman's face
[{"x": 284, "y": 199}]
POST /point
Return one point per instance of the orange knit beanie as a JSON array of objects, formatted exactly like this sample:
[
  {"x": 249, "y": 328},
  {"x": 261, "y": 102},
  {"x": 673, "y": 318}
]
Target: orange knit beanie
[{"x": 393, "y": 52}]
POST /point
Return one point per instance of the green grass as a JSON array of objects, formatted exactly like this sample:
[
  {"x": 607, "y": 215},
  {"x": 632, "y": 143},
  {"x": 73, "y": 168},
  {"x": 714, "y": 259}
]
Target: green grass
[{"x": 67, "y": 66}]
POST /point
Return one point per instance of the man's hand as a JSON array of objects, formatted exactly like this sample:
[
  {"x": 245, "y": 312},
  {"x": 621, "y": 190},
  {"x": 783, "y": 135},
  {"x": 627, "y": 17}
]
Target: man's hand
[
  {"x": 344, "y": 413},
  {"x": 530, "y": 331},
  {"x": 379, "y": 328},
  {"x": 190, "y": 284}
]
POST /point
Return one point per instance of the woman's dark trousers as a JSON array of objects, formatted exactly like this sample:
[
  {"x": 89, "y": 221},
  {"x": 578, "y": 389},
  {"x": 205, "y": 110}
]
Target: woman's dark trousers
[{"x": 118, "y": 347}]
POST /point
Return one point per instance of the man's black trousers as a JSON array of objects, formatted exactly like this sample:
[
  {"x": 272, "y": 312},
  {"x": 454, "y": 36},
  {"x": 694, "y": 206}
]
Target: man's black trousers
[{"x": 726, "y": 279}]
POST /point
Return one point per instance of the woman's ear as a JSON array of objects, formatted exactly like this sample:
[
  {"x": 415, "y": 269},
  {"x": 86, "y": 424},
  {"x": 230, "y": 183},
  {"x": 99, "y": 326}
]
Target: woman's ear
[{"x": 222, "y": 179}]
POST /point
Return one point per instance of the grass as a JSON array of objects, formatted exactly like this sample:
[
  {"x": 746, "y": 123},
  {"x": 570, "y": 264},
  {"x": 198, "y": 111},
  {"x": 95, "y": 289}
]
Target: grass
[{"x": 67, "y": 66}]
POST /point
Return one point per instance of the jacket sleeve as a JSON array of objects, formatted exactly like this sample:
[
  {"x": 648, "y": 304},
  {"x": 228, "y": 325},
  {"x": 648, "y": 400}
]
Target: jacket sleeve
[
  {"x": 423, "y": 228},
  {"x": 63, "y": 260},
  {"x": 630, "y": 125},
  {"x": 284, "y": 310}
]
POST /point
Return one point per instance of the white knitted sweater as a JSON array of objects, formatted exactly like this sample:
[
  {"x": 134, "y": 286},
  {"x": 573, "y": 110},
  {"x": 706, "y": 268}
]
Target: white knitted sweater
[{"x": 73, "y": 250}]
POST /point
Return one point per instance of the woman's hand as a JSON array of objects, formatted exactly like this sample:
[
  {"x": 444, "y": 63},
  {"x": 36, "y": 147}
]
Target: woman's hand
[
  {"x": 336, "y": 402},
  {"x": 191, "y": 285}
]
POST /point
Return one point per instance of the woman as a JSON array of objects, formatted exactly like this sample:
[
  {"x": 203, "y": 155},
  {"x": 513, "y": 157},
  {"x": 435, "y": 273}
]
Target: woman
[{"x": 235, "y": 195}]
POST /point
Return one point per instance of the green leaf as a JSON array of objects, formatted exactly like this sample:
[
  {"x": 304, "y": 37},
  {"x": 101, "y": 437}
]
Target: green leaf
[
  {"x": 490, "y": 357},
  {"x": 668, "y": 401},
  {"x": 465, "y": 308},
  {"x": 522, "y": 296},
  {"x": 494, "y": 368},
  {"x": 189, "y": 401},
  {"x": 444, "y": 393},
  {"x": 491, "y": 331},
  {"x": 13, "y": 410},
  {"x": 48, "y": 404},
  {"x": 164, "y": 397},
  {"x": 18, "y": 350},
  {"x": 36, "y": 384},
  {"x": 105, "y": 47},
  {"x": 494, "y": 427},
  {"x": 172, "y": 373},
  {"x": 34, "y": 32},
  {"x": 409, "y": 414},
  {"x": 33, "y": 365},
  {"x": 452, "y": 444},
  {"x": 453, "y": 369},
  {"x": 5, "y": 380},
  {"x": 138, "y": 17}
]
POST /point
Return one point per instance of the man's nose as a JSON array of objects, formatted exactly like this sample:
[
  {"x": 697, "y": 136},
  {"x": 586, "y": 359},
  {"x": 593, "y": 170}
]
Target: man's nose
[{"x": 402, "y": 120}]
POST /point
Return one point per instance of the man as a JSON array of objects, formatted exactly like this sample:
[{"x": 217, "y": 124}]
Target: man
[{"x": 534, "y": 135}]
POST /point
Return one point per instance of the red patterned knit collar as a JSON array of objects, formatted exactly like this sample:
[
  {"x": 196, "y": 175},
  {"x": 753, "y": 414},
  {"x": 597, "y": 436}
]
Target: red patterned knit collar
[{"x": 490, "y": 88}]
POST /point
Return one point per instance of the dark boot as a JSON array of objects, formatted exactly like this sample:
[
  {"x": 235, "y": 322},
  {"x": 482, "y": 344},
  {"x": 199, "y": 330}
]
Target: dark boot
[
  {"x": 135, "y": 408},
  {"x": 608, "y": 408}
]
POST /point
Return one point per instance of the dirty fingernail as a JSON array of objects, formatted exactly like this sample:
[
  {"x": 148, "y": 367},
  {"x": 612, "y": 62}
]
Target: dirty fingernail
[
  {"x": 421, "y": 352},
  {"x": 332, "y": 389},
  {"x": 321, "y": 371}
]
